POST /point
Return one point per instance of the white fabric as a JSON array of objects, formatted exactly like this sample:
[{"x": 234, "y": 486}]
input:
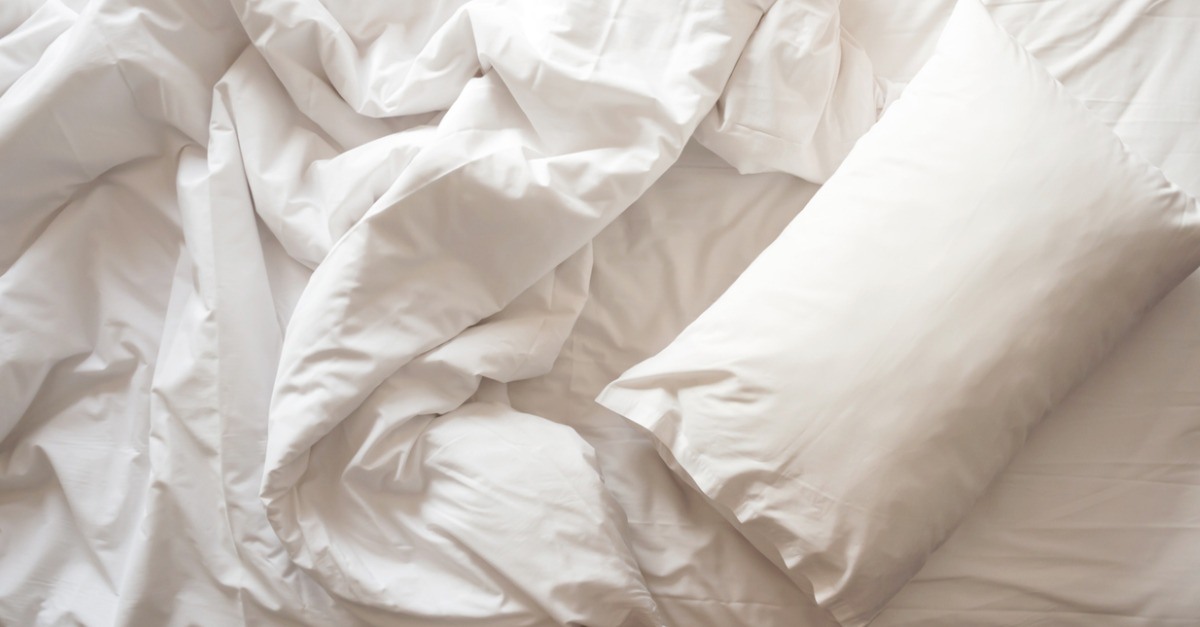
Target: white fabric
[
  {"x": 172, "y": 185},
  {"x": 153, "y": 246},
  {"x": 656, "y": 268},
  {"x": 799, "y": 97},
  {"x": 861, "y": 384}
]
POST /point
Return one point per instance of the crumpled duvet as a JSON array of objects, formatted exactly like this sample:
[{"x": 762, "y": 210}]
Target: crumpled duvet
[{"x": 269, "y": 265}]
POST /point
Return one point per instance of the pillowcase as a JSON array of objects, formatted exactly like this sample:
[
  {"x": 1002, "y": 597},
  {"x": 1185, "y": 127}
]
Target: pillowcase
[{"x": 861, "y": 384}]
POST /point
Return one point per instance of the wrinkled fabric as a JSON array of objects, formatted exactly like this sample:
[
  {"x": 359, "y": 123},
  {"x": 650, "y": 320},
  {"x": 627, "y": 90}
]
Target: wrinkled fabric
[
  {"x": 801, "y": 94},
  {"x": 498, "y": 209},
  {"x": 270, "y": 264},
  {"x": 530, "y": 161}
]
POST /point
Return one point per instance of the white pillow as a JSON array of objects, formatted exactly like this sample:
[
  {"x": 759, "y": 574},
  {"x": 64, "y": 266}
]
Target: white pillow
[{"x": 856, "y": 390}]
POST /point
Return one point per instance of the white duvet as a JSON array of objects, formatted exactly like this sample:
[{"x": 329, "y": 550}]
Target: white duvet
[{"x": 304, "y": 303}]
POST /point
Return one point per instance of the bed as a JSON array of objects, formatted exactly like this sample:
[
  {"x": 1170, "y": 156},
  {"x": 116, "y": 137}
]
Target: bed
[{"x": 305, "y": 308}]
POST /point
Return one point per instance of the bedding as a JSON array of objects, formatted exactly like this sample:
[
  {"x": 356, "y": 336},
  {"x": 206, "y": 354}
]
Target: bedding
[
  {"x": 800, "y": 95},
  {"x": 860, "y": 385},
  {"x": 173, "y": 173}
]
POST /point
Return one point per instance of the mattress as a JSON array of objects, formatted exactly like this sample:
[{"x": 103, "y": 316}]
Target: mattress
[{"x": 238, "y": 386}]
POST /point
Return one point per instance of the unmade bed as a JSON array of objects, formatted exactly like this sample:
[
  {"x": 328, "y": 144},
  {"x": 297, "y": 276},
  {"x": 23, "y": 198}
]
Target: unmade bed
[{"x": 306, "y": 307}]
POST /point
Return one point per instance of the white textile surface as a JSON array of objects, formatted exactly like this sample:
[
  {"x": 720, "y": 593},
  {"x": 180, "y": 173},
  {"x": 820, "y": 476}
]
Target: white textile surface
[{"x": 304, "y": 304}]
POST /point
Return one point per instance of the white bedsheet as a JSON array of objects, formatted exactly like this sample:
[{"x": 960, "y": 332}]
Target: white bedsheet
[{"x": 187, "y": 439}]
